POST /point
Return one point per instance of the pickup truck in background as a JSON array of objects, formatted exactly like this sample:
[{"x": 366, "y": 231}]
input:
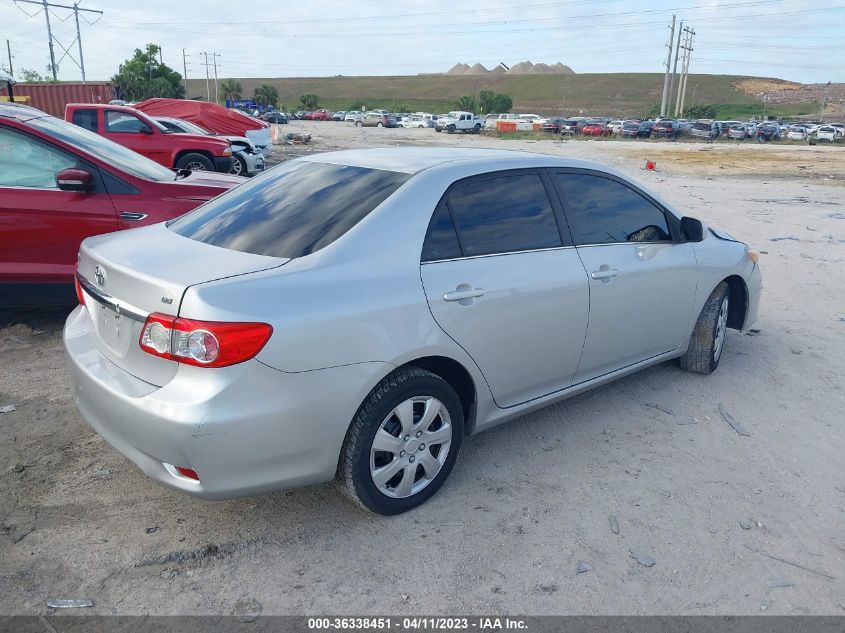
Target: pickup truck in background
[
  {"x": 460, "y": 122},
  {"x": 137, "y": 131}
]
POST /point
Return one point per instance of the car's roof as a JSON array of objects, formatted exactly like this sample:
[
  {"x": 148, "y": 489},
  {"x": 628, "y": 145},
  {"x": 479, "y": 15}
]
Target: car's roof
[
  {"x": 20, "y": 112},
  {"x": 412, "y": 160}
]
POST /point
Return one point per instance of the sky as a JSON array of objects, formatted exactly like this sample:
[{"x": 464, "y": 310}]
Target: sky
[{"x": 799, "y": 40}]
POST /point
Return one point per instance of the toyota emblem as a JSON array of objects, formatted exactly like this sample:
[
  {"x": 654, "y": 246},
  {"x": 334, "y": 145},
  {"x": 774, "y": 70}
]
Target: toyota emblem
[{"x": 100, "y": 274}]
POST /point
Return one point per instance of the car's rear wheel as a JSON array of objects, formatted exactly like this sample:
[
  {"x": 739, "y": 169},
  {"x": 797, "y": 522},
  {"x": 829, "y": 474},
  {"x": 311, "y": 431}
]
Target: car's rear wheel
[
  {"x": 358, "y": 124},
  {"x": 379, "y": 124},
  {"x": 708, "y": 337},
  {"x": 195, "y": 162},
  {"x": 403, "y": 442}
]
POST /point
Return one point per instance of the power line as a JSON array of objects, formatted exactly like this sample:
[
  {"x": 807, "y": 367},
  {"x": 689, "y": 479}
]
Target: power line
[{"x": 51, "y": 38}]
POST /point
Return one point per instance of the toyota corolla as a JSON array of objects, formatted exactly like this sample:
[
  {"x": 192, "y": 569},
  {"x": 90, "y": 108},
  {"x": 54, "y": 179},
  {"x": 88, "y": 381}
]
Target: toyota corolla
[{"x": 354, "y": 315}]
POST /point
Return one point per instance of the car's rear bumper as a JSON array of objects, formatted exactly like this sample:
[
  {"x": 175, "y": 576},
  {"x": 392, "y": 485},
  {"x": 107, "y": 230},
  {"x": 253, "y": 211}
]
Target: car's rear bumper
[
  {"x": 223, "y": 164},
  {"x": 244, "y": 429}
]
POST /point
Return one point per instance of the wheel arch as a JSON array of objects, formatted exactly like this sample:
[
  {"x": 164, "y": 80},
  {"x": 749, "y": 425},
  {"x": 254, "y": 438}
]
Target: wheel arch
[
  {"x": 458, "y": 377},
  {"x": 185, "y": 152},
  {"x": 737, "y": 301}
]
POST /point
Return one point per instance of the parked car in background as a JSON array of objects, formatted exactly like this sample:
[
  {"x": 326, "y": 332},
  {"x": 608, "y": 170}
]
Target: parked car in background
[
  {"x": 60, "y": 183},
  {"x": 533, "y": 118},
  {"x": 275, "y": 117},
  {"x": 396, "y": 360},
  {"x": 704, "y": 129},
  {"x": 247, "y": 159},
  {"x": 554, "y": 125},
  {"x": 631, "y": 129},
  {"x": 767, "y": 132},
  {"x": 414, "y": 121},
  {"x": 826, "y": 133},
  {"x": 615, "y": 126},
  {"x": 666, "y": 128},
  {"x": 352, "y": 115},
  {"x": 319, "y": 115},
  {"x": 797, "y": 133},
  {"x": 738, "y": 132},
  {"x": 595, "y": 129},
  {"x": 375, "y": 119},
  {"x": 137, "y": 131},
  {"x": 340, "y": 115}
]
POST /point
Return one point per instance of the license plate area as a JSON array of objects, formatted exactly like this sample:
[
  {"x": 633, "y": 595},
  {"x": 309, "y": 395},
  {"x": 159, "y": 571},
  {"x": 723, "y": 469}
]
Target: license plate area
[{"x": 114, "y": 329}]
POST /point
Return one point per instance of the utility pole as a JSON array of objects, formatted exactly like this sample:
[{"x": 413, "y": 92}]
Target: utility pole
[
  {"x": 185, "y": 69},
  {"x": 79, "y": 39},
  {"x": 675, "y": 66},
  {"x": 9, "y": 51},
  {"x": 666, "y": 87},
  {"x": 685, "y": 48},
  {"x": 216, "y": 93},
  {"x": 75, "y": 8},
  {"x": 207, "y": 85},
  {"x": 683, "y": 87},
  {"x": 824, "y": 99}
]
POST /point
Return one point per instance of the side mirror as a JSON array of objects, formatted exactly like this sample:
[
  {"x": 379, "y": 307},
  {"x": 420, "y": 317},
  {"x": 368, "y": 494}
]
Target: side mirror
[
  {"x": 75, "y": 180},
  {"x": 692, "y": 230}
]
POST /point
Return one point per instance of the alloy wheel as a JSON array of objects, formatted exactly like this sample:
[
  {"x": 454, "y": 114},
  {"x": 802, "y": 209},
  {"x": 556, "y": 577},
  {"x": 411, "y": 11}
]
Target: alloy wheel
[{"x": 410, "y": 447}]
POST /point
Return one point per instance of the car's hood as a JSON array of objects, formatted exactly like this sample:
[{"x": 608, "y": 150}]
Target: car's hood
[{"x": 201, "y": 185}]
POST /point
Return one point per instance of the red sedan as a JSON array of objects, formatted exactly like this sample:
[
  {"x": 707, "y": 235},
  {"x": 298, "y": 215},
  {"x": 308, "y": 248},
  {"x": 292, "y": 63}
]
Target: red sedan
[
  {"x": 60, "y": 183},
  {"x": 595, "y": 129}
]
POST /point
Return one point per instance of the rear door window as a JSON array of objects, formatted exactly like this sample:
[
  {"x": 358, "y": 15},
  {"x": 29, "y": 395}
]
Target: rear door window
[
  {"x": 503, "y": 214},
  {"x": 604, "y": 211},
  {"x": 86, "y": 119},
  {"x": 291, "y": 211}
]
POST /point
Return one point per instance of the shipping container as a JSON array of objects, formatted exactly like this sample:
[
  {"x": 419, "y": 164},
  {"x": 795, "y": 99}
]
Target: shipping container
[{"x": 52, "y": 98}]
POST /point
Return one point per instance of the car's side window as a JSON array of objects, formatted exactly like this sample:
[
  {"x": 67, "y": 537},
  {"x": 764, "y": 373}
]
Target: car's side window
[
  {"x": 604, "y": 211},
  {"x": 86, "y": 119},
  {"x": 503, "y": 214},
  {"x": 28, "y": 162},
  {"x": 124, "y": 123},
  {"x": 442, "y": 239}
]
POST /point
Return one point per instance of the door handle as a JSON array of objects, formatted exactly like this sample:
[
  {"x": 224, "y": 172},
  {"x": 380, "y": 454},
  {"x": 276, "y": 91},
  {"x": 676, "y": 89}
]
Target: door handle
[
  {"x": 604, "y": 272},
  {"x": 132, "y": 216},
  {"x": 464, "y": 293}
]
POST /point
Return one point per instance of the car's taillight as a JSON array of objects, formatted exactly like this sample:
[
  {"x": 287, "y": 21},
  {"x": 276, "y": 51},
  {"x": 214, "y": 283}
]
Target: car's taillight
[
  {"x": 202, "y": 343},
  {"x": 78, "y": 286}
]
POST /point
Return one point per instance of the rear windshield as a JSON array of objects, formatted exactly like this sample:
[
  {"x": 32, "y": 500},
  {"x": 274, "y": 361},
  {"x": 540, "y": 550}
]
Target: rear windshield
[{"x": 292, "y": 210}]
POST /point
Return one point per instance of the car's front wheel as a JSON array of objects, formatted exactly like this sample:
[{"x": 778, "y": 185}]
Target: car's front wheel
[
  {"x": 238, "y": 166},
  {"x": 195, "y": 162},
  {"x": 403, "y": 442},
  {"x": 708, "y": 337}
]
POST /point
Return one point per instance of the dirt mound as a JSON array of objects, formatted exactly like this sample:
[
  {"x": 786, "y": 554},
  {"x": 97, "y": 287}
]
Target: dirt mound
[
  {"x": 478, "y": 69},
  {"x": 753, "y": 86},
  {"x": 498, "y": 70},
  {"x": 541, "y": 69},
  {"x": 522, "y": 68},
  {"x": 562, "y": 69},
  {"x": 458, "y": 69}
]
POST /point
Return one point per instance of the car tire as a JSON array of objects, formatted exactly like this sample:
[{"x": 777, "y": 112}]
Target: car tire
[
  {"x": 361, "y": 462},
  {"x": 358, "y": 124},
  {"x": 238, "y": 166},
  {"x": 476, "y": 129},
  {"x": 379, "y": 124},
  {"x": 195, "y": 162},
  {"x": 708, "y": 337},
  {"x": 450, "y": 129}
]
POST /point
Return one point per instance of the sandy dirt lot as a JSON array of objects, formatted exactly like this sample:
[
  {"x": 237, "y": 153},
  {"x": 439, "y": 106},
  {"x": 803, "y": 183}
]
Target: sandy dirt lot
[{"x": 640, "y": 485}]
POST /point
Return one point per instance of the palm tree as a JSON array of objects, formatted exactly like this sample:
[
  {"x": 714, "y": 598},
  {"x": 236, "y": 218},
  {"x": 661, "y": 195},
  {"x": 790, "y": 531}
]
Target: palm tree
[
  {"x": 231, "y": 89},
  {"x": 266, "y": 94}
]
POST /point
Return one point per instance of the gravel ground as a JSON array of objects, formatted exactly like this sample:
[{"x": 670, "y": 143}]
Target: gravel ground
[{"x": 641, "y": 485}]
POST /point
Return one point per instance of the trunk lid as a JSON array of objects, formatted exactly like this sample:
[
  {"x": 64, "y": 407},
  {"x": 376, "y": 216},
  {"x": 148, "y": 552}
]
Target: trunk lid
[{"x": 130, "y": 274}]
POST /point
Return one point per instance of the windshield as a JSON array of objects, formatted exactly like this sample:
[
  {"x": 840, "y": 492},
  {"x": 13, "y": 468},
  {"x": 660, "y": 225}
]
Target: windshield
[
  {"x": 293, "y": 210},
  {"x": 191, "y": 128},
  {"x": 110, "y": 152}
]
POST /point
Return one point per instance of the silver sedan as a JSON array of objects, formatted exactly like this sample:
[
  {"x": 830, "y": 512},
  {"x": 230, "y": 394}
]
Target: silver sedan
[{"x": 354, "y": 315}]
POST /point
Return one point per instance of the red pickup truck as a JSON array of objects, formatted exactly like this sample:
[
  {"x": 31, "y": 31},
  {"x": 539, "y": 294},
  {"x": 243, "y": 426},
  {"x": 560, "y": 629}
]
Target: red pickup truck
[
  {"x": 59, "y": 184},
  {"x": 134, "y": 129}
]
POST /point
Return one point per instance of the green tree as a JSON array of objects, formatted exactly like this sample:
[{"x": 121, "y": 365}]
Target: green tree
[
  {"x": 30, "y": 76},
  {"x": 267, "y": 95},
  {"x": 701, "y": 111},
  {"x": 492, "y": 102},
  {"x": 144, "y": 76},
  {"x": 309, "y": 101},
  {"x": 466, "y": 103},
  {"x": 231, "y": 89}
]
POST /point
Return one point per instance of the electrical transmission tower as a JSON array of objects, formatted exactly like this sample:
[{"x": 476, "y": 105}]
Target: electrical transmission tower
[{"x": 46, "y": 6}]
